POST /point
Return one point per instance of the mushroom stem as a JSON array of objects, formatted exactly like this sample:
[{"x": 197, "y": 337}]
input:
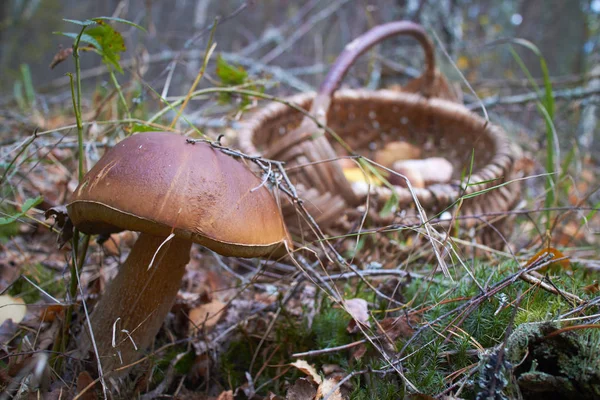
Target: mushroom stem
[{"x": 137, "y": 300}]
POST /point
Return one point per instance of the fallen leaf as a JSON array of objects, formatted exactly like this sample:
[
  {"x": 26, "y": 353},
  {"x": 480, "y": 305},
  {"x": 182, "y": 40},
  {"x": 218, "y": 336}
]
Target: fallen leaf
[
  {"x": 61, "y": 56},
  {"x": 62, "y": 220},
  {"x": 12, "y": 308},
  {"x": 329, "y": 369},
  {"x": 359, "y": 311},
  {"x": 326, "y": 387},
  {"x": 395, "y": 328},
  {"x": 308, "y": 370},
  {"x": 83, "y": 381},
  {"x": 359, "y": 351},
  {"x": 46, "y": 338},
  {"x": 206, "y": 316},
  {"x": 50, "y": 313},
  {"x": 562, "y": 264},
  {"x": 303, "y": 389},
  {"x": 228, "y": 395},
  {"x": 592, "y": 288}
]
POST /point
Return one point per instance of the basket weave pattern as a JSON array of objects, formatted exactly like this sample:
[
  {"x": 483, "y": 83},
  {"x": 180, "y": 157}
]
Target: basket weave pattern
[{"x": 367, "y": 120}]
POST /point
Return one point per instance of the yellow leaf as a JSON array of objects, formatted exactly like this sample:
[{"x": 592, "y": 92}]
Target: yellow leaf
[
  {"x": 355, "y": 174},
  {"x": 462, "y": 62},
  {"x": 562, "y": 263}
]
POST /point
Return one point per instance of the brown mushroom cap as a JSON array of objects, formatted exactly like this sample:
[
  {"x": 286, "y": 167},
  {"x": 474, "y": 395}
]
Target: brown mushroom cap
[{"x": 158, "y": 183}]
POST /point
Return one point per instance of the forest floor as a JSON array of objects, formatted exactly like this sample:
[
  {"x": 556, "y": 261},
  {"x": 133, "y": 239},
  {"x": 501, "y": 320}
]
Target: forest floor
[{"x": 370, "y": 317}]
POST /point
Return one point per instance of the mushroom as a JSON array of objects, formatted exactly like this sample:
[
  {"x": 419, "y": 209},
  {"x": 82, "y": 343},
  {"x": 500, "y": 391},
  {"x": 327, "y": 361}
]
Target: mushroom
[
  {"x": 175, "y": 193},
  {"x": 422, "y": 172}
]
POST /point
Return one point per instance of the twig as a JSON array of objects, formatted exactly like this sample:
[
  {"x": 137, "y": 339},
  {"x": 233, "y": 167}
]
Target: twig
[
  {"x": 566, "y": 94},
  {"x": 314, "y": 353},
  {"x": 302, "y": 30},
  {"x": 274, "y": 34}
]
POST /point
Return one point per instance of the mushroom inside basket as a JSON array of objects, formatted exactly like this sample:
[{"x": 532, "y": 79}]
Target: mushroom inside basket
[{"x": 456, "y": 162}]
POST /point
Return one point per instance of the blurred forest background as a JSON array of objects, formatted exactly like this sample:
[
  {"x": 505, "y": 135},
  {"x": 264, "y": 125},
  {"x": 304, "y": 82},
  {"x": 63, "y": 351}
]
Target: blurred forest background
[{"x": 302, "y": 37}]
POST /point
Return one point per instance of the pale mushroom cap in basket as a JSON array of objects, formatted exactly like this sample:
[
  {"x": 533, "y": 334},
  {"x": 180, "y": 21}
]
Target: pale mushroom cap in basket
[
  {"x": 158, "y": 183},
  {"x": 367, "y": 120}
]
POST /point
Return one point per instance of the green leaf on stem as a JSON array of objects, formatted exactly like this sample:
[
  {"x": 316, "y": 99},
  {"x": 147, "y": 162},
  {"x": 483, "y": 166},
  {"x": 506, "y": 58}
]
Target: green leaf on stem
[{"x": 27, "y": 205}]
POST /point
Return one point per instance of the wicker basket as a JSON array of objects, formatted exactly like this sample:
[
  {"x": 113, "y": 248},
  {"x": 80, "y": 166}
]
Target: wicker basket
[{"x": 366, "y": 121}]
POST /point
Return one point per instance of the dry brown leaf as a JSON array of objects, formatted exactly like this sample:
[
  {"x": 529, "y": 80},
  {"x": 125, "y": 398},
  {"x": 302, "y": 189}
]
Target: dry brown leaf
[
  {"x": 359, "y": 351},
  {"x": 562, "y": 264},
  {"x": 61, "y": 56},
  {"x": 46, "y": 338},
  {"x": 326, "y": 387},
  {"x": 359, "y": 310},
  {"x": 228, "y": 395},
  {"x": 394, "y": 328},
  {"x": 592, "y": 288},
  {"x": 308, "y": 370},
  {"x": 51, "y": 312},
  {"x": 303, "y": 389},
  {"x": 206, "y": 316},
  {"x": 83, "y": 381}
]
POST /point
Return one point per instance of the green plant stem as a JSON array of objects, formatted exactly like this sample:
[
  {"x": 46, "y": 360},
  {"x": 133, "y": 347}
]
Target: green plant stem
[
  {"x": 210, "y": 47},
  {"x": 77, "y": 100},
  {"x": 113, "y": 78},
  {"x": 78, "y": 257},
  {"x": 79, "y": 129}
]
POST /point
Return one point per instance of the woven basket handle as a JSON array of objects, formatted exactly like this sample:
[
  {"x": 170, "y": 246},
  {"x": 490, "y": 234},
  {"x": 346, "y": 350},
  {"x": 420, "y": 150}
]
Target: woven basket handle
[
  {"x": 361, "y": 44},
  {"x": 329, "y": 176}
]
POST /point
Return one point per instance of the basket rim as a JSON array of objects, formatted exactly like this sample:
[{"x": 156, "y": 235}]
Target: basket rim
[{"x": 492, "y": 173}]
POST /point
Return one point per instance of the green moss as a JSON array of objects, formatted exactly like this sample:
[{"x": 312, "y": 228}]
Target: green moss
[
  {"x": 374, "y": 387},
  {"x": 329, "y": 328},
  {"x": 235, "y": 362},
  {"x": 434, "y": 356}
]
